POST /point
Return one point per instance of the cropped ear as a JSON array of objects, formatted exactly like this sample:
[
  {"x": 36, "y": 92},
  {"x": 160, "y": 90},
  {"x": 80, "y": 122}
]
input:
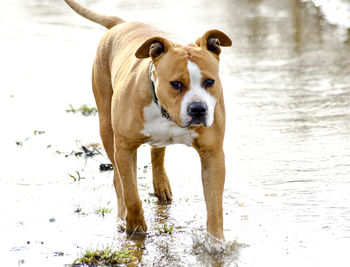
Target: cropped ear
[
  {"x": 213, "y": 39},
  {"x": 154, "y": 47}
]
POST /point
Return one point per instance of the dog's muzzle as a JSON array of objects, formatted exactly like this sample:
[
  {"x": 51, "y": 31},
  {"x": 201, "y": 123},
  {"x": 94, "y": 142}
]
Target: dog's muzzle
[{"x": 197, "y": 113}]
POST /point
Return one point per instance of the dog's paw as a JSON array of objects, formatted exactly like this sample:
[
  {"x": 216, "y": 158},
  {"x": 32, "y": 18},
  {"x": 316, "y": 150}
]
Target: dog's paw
[
  {"x": 137, "y": 226},
  {"x": 162, "y": 189}
]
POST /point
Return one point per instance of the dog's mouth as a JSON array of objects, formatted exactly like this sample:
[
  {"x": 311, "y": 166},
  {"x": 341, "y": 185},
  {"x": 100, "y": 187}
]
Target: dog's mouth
[
  {"x": 194, "y": 121},
  {"x": 197, "y": 114}
]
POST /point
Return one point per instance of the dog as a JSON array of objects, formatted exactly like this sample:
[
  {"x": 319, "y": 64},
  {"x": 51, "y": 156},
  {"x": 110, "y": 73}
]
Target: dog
[{"x": 149, "y": 89}]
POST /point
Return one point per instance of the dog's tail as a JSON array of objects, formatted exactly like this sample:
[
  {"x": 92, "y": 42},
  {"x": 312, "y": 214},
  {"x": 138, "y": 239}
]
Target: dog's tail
[{"x": 107, "y": 21}]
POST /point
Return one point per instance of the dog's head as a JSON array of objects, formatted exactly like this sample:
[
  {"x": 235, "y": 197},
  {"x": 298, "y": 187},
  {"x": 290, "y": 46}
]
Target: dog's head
[{"x": 186, "y": 78}]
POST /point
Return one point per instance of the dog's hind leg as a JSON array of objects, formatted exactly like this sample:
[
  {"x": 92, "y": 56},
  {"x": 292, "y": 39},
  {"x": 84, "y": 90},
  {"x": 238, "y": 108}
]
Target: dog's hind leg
[
  {"x": 161, "y": 183},
  {"x": 103, "y": 92}
]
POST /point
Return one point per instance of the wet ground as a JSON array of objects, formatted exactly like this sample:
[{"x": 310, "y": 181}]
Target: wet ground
[{"x": 287, "y": 92}]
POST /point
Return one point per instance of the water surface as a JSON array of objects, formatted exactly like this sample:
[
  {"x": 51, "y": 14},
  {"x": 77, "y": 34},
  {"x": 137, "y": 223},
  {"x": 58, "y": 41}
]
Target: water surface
[{"x": 286, "y": 84}]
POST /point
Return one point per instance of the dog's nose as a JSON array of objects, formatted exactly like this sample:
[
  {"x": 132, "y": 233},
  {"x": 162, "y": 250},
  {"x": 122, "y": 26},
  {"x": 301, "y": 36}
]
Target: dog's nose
[{"x": 197, "y": 110}]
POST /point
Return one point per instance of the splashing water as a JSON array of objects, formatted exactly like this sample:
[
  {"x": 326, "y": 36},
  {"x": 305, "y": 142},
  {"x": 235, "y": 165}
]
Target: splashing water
[{"x": 210, "y": 249}]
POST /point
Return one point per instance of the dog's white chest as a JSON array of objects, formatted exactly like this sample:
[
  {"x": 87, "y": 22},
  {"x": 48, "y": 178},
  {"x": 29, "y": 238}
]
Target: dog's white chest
[{"x": 161, "y": 131}]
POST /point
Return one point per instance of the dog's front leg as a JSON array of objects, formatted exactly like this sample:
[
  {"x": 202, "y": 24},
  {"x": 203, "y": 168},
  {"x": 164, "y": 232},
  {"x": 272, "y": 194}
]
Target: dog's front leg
[
  {"x": 213, "y": 179},
  {"x": 161, "y": 183},
  {"x": 126, "y": 160}
]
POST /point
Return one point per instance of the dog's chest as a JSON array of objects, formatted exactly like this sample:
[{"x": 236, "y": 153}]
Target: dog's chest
[{"x": 161, "y": 131}]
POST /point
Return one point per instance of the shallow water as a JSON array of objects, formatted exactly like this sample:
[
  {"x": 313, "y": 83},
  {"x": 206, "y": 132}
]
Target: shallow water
[{"x": 286, "y": 83}]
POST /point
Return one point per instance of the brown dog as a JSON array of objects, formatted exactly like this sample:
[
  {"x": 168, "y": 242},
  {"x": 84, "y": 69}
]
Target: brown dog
[{"x": 149, "y": 89}]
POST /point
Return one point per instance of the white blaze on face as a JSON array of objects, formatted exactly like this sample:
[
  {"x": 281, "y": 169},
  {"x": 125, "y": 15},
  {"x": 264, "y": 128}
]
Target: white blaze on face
[
  {"x": 161, "y": 131},
  {"x": 197, "y": 93}
]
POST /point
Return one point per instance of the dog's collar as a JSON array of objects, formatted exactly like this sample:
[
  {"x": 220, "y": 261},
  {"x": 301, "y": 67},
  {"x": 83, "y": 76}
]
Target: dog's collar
[
  {"x": 163, "y": 111},
  {"x": 151, "y": 84}
]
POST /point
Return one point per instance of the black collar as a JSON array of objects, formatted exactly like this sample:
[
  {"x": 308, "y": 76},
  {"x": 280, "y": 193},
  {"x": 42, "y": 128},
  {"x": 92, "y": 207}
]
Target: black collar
[{"x": 163, "y": 111}]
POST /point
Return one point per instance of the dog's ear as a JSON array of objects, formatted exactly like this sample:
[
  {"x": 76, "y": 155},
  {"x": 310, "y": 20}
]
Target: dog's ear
[
  {"x": 154, "y": 47},
  {"x": 212, "y": 40}
]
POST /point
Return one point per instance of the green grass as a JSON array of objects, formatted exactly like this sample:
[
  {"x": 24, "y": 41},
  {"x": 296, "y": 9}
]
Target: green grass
[
  {"x": 38, "y": 132},
  {"x": 103, "y": 211},
  {"x": 109, "y": 256},
  {"x": 165, "y": 229},
  {"x": 83, "y": 109}
]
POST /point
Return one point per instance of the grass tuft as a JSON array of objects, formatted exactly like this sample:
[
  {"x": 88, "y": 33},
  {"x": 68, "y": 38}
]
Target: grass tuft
[
  {"x": 109, "y": 256},
  {"x": 165, "y": 229},
  {"x": 103, "y": 211},
  {"x": 83, "y": 109}
]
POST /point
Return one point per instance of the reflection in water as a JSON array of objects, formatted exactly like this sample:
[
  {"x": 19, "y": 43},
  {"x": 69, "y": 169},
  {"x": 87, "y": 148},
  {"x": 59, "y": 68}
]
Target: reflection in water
[
  {"x": 286, "y": 81},
  {"x": 293, "y": 93}
]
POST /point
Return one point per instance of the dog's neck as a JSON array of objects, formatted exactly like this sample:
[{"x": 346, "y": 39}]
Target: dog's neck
[{"x": 152, "y": 81}]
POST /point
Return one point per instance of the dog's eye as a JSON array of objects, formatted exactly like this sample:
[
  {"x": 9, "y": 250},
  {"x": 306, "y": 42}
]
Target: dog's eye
[
  {"x": 208, "y": 83},
  {"x": 177, "y": 85}
]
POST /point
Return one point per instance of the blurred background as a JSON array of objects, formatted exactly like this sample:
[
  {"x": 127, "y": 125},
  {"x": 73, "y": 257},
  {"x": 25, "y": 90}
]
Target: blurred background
[{"x": 286, "y": 83}]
